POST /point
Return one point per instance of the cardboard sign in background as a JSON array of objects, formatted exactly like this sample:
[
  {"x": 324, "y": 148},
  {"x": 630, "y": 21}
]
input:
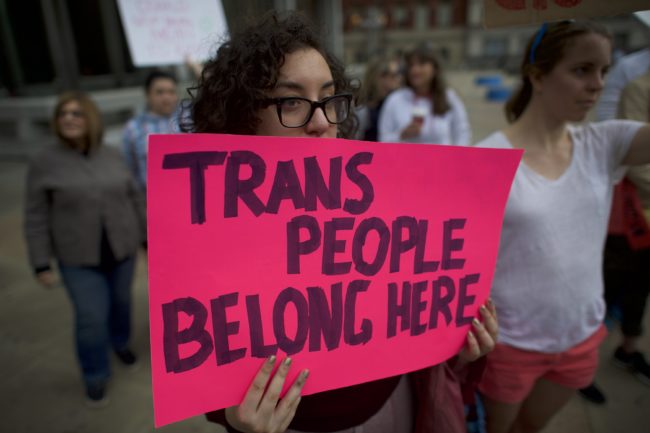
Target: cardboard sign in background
[
  {"x": 500, "y": 13},
  {"x": 238, "y": 268},
  {"x": 163, "y": 32}
]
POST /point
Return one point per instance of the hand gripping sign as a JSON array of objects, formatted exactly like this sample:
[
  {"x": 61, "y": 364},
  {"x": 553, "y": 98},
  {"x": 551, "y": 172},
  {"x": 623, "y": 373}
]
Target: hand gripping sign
[{"x": 359, "y": 260}]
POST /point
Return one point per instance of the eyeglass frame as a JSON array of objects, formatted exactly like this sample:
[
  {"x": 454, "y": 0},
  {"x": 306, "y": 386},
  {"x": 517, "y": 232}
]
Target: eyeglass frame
[{"x": 313, "y": 106}]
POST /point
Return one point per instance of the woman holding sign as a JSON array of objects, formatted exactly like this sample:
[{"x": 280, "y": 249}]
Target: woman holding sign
[
  {"x": 426, "y": 110},
  {"x": 84, "y": 209},
  {"x": 548, "y": 282},
  {"x": 275, "y": 78}
]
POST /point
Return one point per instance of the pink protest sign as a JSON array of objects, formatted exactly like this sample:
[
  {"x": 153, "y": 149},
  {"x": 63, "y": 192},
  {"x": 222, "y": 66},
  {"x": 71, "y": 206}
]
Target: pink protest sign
[{"x": 359, "y": 260}]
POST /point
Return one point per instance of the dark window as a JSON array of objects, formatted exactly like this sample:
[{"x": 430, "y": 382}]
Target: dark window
[
  {"x": 124, "y": 45},
  {"x": 27, "y": 35},
  {"x": 88, "y": 32}
]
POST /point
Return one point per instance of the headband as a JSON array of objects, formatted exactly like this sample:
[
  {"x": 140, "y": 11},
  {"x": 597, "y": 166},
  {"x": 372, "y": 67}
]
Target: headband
[{"x": 538, "y": 39}]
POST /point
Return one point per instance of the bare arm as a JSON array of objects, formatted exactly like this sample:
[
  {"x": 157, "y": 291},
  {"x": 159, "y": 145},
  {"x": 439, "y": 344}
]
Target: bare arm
[{"x": 639, "y": 152}]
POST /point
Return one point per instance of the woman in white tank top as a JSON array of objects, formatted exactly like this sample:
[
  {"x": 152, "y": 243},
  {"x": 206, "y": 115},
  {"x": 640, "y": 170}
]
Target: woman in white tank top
[{"x": 548, "y": 283}]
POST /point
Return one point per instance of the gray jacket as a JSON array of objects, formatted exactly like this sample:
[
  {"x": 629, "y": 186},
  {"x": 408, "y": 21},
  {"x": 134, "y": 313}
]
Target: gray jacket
[{"x": 71, "y": 197}]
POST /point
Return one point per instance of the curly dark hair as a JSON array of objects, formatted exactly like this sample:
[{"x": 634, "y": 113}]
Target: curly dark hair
[{"x": 234, "y": 83}]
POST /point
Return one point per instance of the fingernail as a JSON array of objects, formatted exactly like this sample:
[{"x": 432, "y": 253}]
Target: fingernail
[
  {"x": 471, "y": 334},
  {"x": 475, "y": 322},
  {"x": 305, "y": 375},
  {"x": 287, "y": 361},
  {"x": 490, "y": 302},
  {"x": 271, "y": 359},
  {"x": 482, "y": 308}
]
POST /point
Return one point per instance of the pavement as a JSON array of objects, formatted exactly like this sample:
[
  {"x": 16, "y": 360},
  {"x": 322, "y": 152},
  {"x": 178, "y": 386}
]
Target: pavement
[{"x": 40, "y": 382}]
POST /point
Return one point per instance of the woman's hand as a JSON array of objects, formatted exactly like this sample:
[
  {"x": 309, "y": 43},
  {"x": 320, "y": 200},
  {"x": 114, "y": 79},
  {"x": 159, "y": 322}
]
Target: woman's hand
[
  {"x": 412, "y": 130},
  {"x": 260, "y": 411},
  {"x": 482, "y": 339},
  {"x": 46, "y": 278}
]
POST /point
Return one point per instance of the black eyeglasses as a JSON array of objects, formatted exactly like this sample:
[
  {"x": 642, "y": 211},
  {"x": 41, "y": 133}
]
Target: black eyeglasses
[{"x": 295, "y": 112}]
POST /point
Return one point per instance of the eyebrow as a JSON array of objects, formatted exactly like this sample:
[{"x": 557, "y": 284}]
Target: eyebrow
[
  {"x": 292, "y": 85},
  {"x": 590, "y": 64}
]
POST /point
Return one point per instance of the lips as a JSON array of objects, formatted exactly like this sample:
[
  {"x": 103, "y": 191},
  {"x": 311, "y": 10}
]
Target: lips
[{"x": 587, "y": 103}]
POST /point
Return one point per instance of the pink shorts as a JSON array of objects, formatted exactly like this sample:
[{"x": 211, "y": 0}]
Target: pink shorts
[{"x": 511, "y": 373}]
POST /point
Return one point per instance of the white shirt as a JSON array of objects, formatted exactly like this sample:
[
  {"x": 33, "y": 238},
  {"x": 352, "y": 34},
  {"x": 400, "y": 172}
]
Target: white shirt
[
  {"x": 451, "y": 128},
  {"x": 548, "y": 285},
  {"x": 625, "y": 70}
]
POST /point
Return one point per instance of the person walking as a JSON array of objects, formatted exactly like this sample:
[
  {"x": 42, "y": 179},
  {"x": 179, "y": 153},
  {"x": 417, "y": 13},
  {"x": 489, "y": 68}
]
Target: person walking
[{"x": 84, "y": 210}]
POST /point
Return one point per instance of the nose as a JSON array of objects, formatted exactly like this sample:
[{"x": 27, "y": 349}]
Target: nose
[
  {"x": 318, "y": 124},
  {"x": 598, "y": 82}
]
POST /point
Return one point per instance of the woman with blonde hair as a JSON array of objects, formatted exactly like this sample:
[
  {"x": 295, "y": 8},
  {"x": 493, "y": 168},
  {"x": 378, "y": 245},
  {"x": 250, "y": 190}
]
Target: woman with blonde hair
[
  {"x": 84, "y": 210},
  {"x": 381, "y": 78}
]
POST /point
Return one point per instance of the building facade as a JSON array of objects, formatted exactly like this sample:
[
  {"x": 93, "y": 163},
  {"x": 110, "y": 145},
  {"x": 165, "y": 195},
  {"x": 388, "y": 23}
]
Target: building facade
[
  {"x": 49, "y": 46},
  {"x": 53, "y": 45},
  {"x": 455, "y": 29}
]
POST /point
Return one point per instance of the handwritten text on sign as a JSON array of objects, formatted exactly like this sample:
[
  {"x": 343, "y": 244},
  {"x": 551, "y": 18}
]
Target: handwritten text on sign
[
  {"x": 359, "y": 260},
  {"x": 162, "y": 32},
  {"x": 517, "y": 12}
]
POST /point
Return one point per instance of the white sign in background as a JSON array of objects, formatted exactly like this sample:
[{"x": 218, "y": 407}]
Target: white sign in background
[{"x": 164, "y": 32}]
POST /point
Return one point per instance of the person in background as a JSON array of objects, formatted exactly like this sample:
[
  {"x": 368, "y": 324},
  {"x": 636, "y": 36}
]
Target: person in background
[
  {"x": 426, "y": 110},
  {"x": 627, "y": 250},
  {"x": 84, "y": 209},
  {"x": 382, "y": 77},
  {"x": 159, "y": 117},
  {"x": 628, "y": 68},
  {"x": 275, "y": 78},
  {"x": 548, "y": 281}
]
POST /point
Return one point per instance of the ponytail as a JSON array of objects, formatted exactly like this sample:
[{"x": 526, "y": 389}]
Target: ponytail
[{"x": 518, "y": 102}]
